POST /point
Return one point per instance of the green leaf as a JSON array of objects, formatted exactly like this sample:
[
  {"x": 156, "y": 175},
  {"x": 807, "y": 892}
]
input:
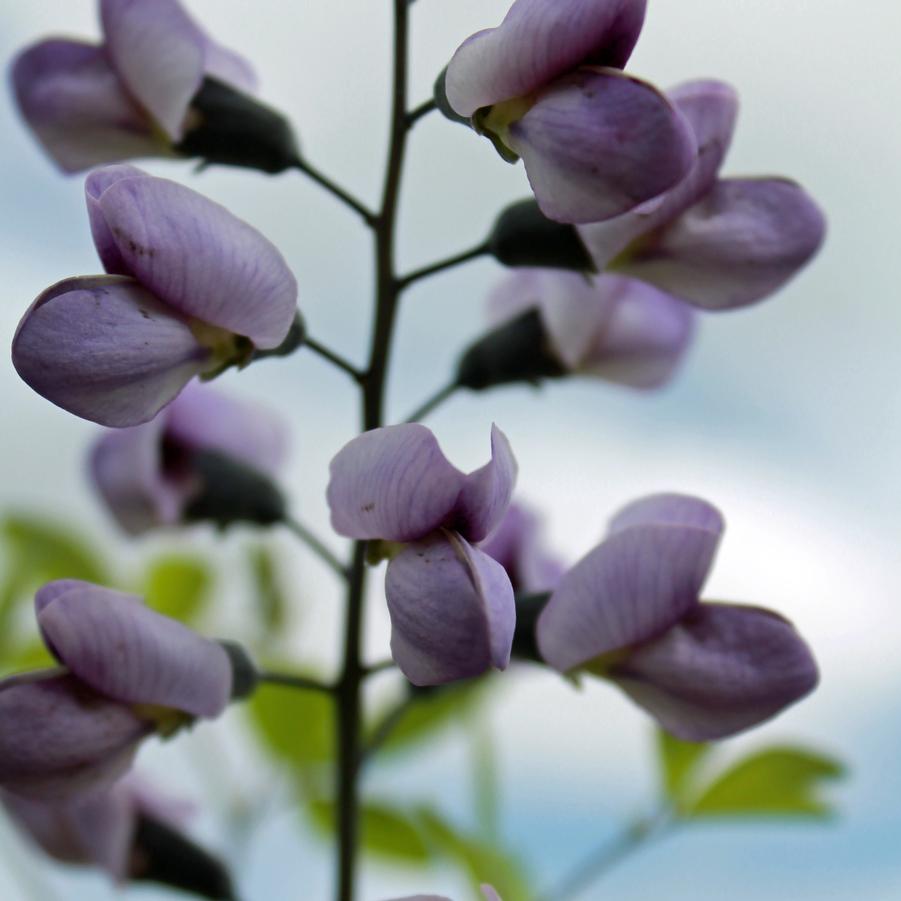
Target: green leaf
[
  {"x": 779, "y": 781},
  {"x": 432, "y": 711},
  {"x": 269, "y": 601},
  {"x": 386, "y": 832},
  {"x": 178, "y": 586},
  {"x": 679, "y": 763},
  {"x": 480, "y": 860},
  {"x": 29, "y": 656}
]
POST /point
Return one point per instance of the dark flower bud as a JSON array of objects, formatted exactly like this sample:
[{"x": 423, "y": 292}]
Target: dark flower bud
[
  {"x": 516, "y": 351},
  {"x": 528, "y": 609},
  {"x": 293, "y": 340},
  {"x": 440, "y": 95},
  {"x": 162, "y": 854},
  {"x": 231, "y": 491},
  {"x": 524, "y": 236},
  {"x": 245, "y": 675},
  {"x": 234, "y": 129}
]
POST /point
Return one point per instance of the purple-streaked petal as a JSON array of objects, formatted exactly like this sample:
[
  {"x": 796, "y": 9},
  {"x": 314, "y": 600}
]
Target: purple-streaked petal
[
  {"x": 669, "y": 509},
  {"x": 538, "y": 41},
  {"x": 711, "y": 108},
  {"x": 722, "y": 669},
  {"x": 487, "y": 491},
  {"x": 739, "y": 244},
  {"x": 97, "y": 829},
  {"x": 392, "y": 483},
  {"x": 201, "y": 418},
  {"x": 104, "y": 348},
  {"x": 126, "y": 467},
  {"x": 598, "y": 143},
  {"x": 516, "y": 545},
  {"x": 74, "y": 103},
  {"x": 197, "y": 257},
  {"x": 490, "y": 894},
  {"x": 644, "y": 338},
  {"x": 94, "y": 185},
  {"x": 452, "y": 611},
  {"x": 630, "y": 588},
  {"x": 66, "y": 738},
  {"x": 128, "y": 652}
]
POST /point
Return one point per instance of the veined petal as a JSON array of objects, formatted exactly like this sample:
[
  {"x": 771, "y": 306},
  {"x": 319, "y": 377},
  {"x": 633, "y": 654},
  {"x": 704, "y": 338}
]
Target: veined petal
[
  {"x": 128, "y": 652},
  {"x": 740, "y": 243},
  {"x": 392, "y": 483},
  {"x": 486, "y": 492},
  {"x": 669, "y": 509},
  {"x": 96, "y": 829},
  {"x": 197, "y": 257},
  {"x": 644, "y": 337},
  {"x": 67, "y": 738},
  {"x": 94, "y": 185},
  {"x": 711, "y": 108},
  {"x": 452, "y": 610},
  {"x": 598, "y": 143},
  {"x": 632, "y": 587},
  {"x": 490, "y": 894},
  {"x": 73, "y": 101},
  {"x": 104, "y": 348},
  {"x": 538, "y": 41},
  {"x": 722, "y": 669}
]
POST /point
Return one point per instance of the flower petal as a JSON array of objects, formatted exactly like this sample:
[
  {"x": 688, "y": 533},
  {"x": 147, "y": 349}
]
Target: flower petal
[
  {"x": 669, "y": 509},
  {"x": 742, "y": 242},
  {"x": 598, "y": 143},
  {"x": 452, "y": 610},
  {"x": 73, "y": 101},
  {"x": 126, "y": 651},
  {"x": 721, "y": 670},
  {"x": 637, "y": 583},
  {"x": 538, "y": 41},
  {"x": 94, "y": 185},
  {"x": 487, "y": 491},
  {"x": 105, "y": 349},
  {"x": 392, "y": 483},
  {"x": 197, "y": 257},
  {"x": 711, "y": 108},
  {"x": 96, "y": 829},
  {"x": 490, "y": 894},
  {"x": 67, "y": 739}
]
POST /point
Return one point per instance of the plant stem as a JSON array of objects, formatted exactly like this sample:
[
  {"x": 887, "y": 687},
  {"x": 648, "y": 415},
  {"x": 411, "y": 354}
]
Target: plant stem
[
  {"x": 336, "y": 191},
  {"x": 333, "y": 358},
  {"x": 290, "y": 680},
  {"x": 435, "y": 400},
  {"x": 387, "y": 291},
  {"x": 316, "y": 545},
  {"x": 463, "y": 257},
  {"x": 384, "y": 729},
  {"x": 418, "y": 112}
]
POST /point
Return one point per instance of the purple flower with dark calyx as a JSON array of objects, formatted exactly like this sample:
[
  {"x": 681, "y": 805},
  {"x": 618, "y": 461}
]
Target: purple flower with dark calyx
[
  {"x": 125, "y": 673},
  {"x": 162, "y": 473},
  {"x": 546, "y": 85},
  {"x": 451, "y": 605},
  {"x": 157, "y": 86},
  {"x": 630, "y": 612},
  {"x": 552, "y": 323},
  {"x": 122, "y": 830},
  {"x": 716, "y": 243},
  {"x": 191, "y": 290}
]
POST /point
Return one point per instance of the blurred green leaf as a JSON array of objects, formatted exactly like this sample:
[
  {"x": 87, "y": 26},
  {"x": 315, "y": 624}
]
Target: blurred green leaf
[
  {"x": 28, "y": 656},
  {"x": 296, "y": 727},
  {"x": 269, "y": 600},
  {"x": 779, "y": 781},
  {"x": 480, "y": 860},
  {"x": 430, "y": 713},
  {"x": 679, "y": 762},
  {"x": 178, "y": 586},
  {"x": 386, "y": 832}
]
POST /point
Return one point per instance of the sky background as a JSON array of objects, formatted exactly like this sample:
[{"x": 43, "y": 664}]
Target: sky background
[{"x": 786, "y": 415}]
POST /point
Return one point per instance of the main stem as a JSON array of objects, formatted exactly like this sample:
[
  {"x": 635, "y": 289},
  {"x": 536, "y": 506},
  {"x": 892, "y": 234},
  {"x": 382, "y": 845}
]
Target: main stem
[{"x": 386, "y": 295}]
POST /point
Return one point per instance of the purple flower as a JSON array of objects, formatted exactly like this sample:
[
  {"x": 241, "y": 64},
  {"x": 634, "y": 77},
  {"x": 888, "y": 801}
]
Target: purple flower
[
  {"x": 630, "y": 611},
  {"x": 191, "y": 290},
  {"x": 152, "y": 474},
  {"x": 130, "y": 96},
  {"x": 717, "y": 243},
  {"x": 489, "y": 893},
  {"x": 451, "y": 605},
  {"x": 125, "y": 673},
  {"x": 546, "y": 85},
  {"x": 516, "y": 545},
  {"x": 611, "y": 327}
]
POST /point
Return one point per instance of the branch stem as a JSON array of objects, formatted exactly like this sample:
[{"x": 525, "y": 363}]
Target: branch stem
[
  {"x": 418, "y": 112},
  {"x": 290, "y": 680},
  {"x": 316, "y": 545},
  {"x": 449, "y": 263},
  {"x": 434, "y": 401},
  {"x": 333, "y": 358},
  {"x": 336, "y": 191}
]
